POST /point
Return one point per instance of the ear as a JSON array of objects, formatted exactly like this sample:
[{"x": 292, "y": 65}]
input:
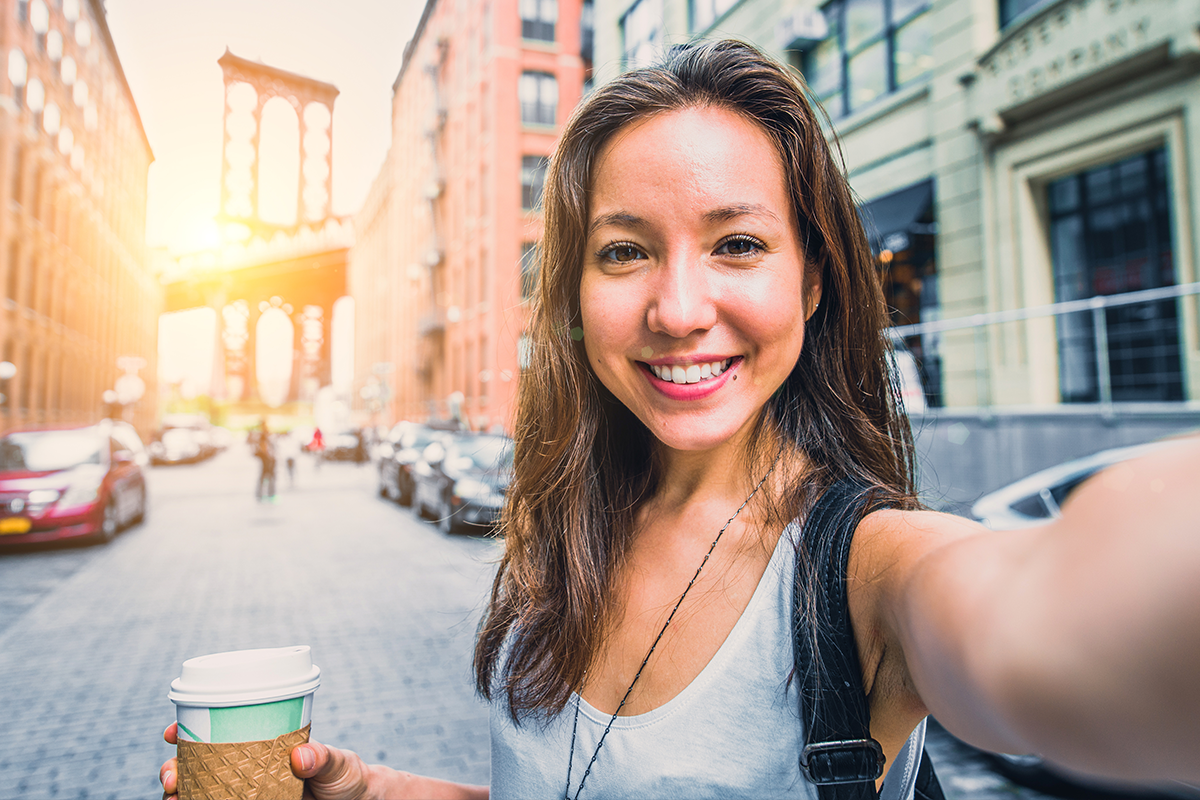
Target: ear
[{"x": 812, "y": 291}]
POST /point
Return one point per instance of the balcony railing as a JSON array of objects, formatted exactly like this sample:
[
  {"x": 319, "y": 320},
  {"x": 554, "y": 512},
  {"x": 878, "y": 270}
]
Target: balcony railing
[{"x": 1110, "y": 348}]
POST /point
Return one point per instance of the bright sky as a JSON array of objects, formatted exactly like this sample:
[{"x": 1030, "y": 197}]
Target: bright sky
[{"x": 169, "y": 51}]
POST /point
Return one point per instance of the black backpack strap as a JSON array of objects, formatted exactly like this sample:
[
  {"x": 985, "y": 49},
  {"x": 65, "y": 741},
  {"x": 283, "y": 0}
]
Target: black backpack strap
[
  {"x": 928, "y": 787},
  {"x": 839, "y": 755}
]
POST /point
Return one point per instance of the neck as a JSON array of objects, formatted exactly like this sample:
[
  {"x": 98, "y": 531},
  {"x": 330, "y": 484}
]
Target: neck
[{"x": 723, "y": 474}]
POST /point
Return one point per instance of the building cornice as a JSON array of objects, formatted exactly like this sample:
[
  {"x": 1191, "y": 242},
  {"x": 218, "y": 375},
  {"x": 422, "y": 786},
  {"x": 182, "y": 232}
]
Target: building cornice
[
  {"x": 100, "y": 15},
  {"x": 410, "y": 49}
]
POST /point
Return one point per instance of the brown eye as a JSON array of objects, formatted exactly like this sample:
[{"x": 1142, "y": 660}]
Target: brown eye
[
  {"x": 621, "y": 253},
  {"x": 739, "y": 247}
]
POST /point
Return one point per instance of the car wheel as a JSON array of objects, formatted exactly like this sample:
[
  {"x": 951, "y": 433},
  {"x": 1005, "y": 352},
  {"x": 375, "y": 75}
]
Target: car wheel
[
  {"x": 110, "y": 522},
  {"x": 446, "y": 521},
  {"x": 140, "y": 516}
]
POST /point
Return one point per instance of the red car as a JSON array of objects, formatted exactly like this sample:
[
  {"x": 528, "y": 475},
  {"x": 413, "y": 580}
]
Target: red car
[{"x": 62, "y": 483}]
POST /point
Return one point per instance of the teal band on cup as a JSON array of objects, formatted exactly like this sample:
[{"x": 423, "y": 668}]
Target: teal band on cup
[{"x": 252, "y": 723}]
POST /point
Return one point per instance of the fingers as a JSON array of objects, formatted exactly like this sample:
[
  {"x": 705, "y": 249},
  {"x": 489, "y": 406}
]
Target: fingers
[
  {"x": 329, "y": 772},
  {"x": 171, "y": 734},
  {"x": 168, "y": 776}
]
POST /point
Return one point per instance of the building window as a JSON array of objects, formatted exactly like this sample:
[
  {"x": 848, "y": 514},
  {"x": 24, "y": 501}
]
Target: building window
[
  {"x": 539, "y": 98},
  {"x": 1012, "y": 9},
  {"x": 1110, "y": 233},
  {"x": 529, "y": 270},
  {"x": 533, "y": 179},
  {"x": 538, "y": 18},
  {"x": 874, "y": 47},
  {"x": 641, "y": 33},
  {"x": 706, "y": 12},
  {"x": 587, "y": 36}
]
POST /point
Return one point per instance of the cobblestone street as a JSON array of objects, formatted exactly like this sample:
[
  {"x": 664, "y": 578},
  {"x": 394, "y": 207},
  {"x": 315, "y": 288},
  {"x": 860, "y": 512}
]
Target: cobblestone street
[{"x": 91, "y": 637}]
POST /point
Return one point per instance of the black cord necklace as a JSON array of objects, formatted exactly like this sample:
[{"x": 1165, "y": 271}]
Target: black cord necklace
[{"x": 579, "y": 697}]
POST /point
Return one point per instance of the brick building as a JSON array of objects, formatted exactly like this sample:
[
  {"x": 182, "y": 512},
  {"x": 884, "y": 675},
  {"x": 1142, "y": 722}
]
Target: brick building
[
  {"x": 78, "y": 292},
  {"x": 442, "y": 266}
]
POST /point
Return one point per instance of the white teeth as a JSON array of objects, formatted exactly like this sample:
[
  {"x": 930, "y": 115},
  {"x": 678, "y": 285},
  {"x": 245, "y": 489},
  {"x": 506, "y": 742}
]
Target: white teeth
[{"x": 693, "y": 373}]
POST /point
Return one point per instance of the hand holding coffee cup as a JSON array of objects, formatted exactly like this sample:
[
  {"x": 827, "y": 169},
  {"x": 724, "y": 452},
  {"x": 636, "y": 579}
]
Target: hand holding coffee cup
[{"x": 239, "y": 715}]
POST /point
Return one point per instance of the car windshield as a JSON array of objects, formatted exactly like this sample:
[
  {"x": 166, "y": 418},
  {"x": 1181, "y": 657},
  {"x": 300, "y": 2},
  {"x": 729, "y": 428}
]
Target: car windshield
[
  {"x": 178, "y": 437},
  {"x": 47, "y": 451},
  {"x": 418, "y": 438},
  {"x": 487, "y": 452}
]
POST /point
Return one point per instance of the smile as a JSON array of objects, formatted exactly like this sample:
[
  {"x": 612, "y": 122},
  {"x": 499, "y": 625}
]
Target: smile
[{"x": 690, "y": 373}]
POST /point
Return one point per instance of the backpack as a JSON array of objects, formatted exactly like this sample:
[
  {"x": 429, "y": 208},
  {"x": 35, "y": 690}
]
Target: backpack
[{"x": 839, "y": 755}]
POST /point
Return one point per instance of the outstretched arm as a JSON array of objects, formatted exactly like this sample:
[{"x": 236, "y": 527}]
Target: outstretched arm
[{"x": 1079, "y": 640}]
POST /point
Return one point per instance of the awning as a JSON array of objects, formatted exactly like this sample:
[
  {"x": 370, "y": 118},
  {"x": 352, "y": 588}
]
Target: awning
[{"x": 891, "y": 219}]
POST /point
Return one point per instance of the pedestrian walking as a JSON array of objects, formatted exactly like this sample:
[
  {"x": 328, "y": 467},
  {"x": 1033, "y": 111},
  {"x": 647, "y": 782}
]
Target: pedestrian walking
[
  {"x": 264, "y": 451},
  {"x": 714, "y": 476},
  {"x": 288, "y": 448},
  {"x": 316, "y": 446}
]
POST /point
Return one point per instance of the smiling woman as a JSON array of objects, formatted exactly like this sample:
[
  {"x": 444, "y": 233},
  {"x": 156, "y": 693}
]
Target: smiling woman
[
  {"x": 693, "y": 287},
  {"x": 713, "y": 473}
]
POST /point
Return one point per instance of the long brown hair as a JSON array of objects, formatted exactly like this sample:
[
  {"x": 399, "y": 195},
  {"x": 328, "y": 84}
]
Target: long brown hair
[{"x": 584, "y": 463}]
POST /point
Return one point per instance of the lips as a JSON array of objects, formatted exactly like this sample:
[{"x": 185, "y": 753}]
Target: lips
[{"x": 696, "y": 372}]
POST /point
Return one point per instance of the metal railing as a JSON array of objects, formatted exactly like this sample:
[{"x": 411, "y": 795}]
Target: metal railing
[{"x": 1118, "y": 333}]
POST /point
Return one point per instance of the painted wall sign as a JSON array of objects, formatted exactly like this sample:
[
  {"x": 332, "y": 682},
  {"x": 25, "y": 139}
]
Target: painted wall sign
[{"x": 1070, "y": 40}]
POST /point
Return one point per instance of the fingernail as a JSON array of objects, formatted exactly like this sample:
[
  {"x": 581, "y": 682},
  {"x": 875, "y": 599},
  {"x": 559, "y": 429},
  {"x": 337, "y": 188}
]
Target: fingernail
[
  {"x": 306, "y": 759},
  {"x": 168, "y": 777}
]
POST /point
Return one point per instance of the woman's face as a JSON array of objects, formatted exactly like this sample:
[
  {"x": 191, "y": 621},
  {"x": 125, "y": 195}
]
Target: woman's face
[{"x": 692, "y": 291}]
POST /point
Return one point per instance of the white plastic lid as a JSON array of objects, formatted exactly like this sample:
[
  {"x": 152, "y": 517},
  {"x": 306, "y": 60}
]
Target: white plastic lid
[{"x": 244, "y": 677}]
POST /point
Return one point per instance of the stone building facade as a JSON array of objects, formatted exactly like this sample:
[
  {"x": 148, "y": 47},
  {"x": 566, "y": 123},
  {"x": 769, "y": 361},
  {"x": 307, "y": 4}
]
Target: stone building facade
[
  {"x": 443, "y": 263},
  {"x": 1010, "y": 154},
  {"x": 80, "y": 303}
]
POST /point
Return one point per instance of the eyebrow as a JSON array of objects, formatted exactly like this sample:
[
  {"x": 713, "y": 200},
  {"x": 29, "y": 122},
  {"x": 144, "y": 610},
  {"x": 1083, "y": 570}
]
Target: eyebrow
[
  {"x": 620, "y": 219},
  {"x": 726, "y": 213},
  {"x": 723, "y": 214}
]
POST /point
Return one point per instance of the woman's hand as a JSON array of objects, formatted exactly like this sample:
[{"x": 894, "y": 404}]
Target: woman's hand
[
  {"x": 333, "y": 774},
  {"x": 328, "y": 773},
  {"x": 168, "y": 773}
]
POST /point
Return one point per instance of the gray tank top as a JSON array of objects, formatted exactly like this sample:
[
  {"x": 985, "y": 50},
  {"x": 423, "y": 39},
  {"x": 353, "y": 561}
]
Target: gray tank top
[{"x": 733, "y": 732}]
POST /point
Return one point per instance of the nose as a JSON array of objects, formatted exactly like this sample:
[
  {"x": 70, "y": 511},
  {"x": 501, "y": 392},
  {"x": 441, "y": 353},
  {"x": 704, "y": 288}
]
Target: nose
[{"x": 683, "y": 301}]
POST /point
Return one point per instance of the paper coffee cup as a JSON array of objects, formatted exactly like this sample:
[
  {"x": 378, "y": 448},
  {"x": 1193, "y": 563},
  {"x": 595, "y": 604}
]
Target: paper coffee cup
[{"x": 239, "y": 715}]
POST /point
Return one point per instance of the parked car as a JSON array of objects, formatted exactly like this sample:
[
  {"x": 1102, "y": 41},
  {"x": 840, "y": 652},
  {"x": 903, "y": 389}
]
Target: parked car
[
  {"x": 176, "y": 446},
  {"x": 460, "y": 482},
  {"x": 399, "y": 451},
  {"x": 62, "y": 483},
  {"x": 1032, "y": 501},
  {"x": 395, "y": 456},
  {"x": 186, "y": 439},
  {"x": 345, "y": 445},
  {"x": 1036, "y": 499}
]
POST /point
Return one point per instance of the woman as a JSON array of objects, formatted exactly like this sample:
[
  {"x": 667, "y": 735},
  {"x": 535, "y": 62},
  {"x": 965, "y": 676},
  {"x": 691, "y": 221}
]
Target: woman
[{"x": 708, "y": 359}]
